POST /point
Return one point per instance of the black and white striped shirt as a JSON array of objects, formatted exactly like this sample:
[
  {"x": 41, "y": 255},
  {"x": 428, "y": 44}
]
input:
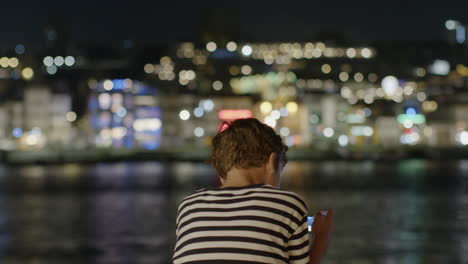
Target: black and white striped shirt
[{"x": 249, "y": 224}]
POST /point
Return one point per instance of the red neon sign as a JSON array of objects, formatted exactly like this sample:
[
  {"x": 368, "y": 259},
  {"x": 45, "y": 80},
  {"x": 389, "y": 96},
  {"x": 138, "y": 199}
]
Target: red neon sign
[{"x": 232, "y": 114}]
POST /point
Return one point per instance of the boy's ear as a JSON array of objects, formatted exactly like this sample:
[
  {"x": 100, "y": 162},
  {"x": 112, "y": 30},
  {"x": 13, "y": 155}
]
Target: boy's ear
[
  {"x": 272, "y": 161},
  {"x": 221, "y": 180}
]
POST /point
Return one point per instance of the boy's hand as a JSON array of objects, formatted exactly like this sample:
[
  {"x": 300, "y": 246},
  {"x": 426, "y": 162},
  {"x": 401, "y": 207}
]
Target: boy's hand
[
  {"x": 322, "y": 229},
  {"x": 323, "y": 223}
]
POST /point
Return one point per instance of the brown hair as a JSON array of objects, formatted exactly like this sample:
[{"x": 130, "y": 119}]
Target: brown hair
[{"x": 245, "y": 143}]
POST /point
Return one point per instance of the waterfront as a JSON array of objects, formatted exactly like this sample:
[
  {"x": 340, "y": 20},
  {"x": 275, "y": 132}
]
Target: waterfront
[{"x": 409, "y": 211}]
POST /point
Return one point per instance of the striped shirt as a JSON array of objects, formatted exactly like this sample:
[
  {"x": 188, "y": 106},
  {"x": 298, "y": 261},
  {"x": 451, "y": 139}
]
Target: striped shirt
[{"x": 248, "y": 224}]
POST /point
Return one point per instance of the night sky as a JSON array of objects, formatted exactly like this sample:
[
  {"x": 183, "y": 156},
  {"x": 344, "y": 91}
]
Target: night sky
[{"x": 357, "y": 21}]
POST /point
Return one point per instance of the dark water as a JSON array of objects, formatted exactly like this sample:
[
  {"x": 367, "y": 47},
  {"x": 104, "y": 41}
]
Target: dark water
[{"x": 411, "y": 211}]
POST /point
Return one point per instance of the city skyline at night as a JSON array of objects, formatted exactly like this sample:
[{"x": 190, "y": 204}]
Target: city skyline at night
[
  {"x": 112, "y": 114},
  {"x": 350, "y": 82}
]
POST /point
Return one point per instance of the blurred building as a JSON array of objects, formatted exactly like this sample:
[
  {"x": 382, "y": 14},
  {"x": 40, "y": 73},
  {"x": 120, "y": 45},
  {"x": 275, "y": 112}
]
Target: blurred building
[
  {"x": 124, "y": 114},
  {"x": 47, "y": 118},
  {"x": 38, "y": 120},
  {"x": 388, "y": 131},
  {"x": 61, "y": 132}
]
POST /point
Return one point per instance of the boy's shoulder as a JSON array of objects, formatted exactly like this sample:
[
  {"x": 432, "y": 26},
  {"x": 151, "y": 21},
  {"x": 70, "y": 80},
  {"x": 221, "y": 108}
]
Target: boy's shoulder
[
  {"x": 248, "y": 190},
  {"x": 262, "y": 195},
  {"x": 289, "y": 193},
  {"x": 195, "y": 193}
]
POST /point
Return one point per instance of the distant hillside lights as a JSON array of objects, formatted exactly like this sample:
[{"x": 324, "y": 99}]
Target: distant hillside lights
[
  {"x": 328, "y": 132},
  {"x": 439, "y": 67},
  {"x": 124, "y": 85},
  {"x": 390, "y": 85},
  {"x": 231, "y": 46},
  {"x": 186, "y": 76},
  {"x": 270, "y": 53},
  {"x": 6, "y": 62},
  {"x": 429, "y": 106},
  {"x": 184, "y": 115},
  {"x": 27, "y": 74},
  {"x": 187, "y": 50},
  {"x": 391, "y": 89},
  {"x": 462, "y": 138},
  {"x": 358, "y": 77},
  {"x": 366, "y": 53},
  {"x": 459, "y": 28},
  {"x": 164, "y": 70},
  {"x": 279, "y": 52},
  {"x": 262, "y": 83},
  {"x": 326, "y": 68},
  {"x": 70, "y": 116},
  {"x": 247, "y": 50},
  {"x": 351, "y": 53},
  {"x": 211, "y": 46},
  {"x": 271, "y": 116},
  {"x": 282, "y": 53},
  {"x": 462, "y": 70},
  {"x": 52, "y": 63},
  {"x": 59, "y": 61},
  {"x": 246, "y": 70},
  {"x": 217, "y": 85}
]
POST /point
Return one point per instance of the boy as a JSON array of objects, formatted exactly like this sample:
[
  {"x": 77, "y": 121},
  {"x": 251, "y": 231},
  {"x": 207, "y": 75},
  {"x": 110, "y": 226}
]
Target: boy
[{"x": 249, "y": 219}]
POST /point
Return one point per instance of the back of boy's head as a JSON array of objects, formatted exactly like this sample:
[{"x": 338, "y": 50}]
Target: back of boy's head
[{"x": 245, "y": 143}]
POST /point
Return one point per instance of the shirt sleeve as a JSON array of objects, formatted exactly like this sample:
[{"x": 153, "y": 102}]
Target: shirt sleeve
[
  {"x": 298, "y": 244},
  {"x": 177, "y": 234},
  {"x": 177, "y": 221}
]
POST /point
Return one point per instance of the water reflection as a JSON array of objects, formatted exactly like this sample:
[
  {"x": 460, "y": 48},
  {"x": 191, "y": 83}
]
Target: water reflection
[
  {"x": 386, "y": 212},
  {"x": 4, "y": 231},
  {"x": 122, "y": 227},
  {"x": 42, "y": 226}
]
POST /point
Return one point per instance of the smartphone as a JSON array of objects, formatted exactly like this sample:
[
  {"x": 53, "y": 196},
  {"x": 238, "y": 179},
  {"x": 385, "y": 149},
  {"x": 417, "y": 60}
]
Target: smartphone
[{"x": 310, "y": 221}]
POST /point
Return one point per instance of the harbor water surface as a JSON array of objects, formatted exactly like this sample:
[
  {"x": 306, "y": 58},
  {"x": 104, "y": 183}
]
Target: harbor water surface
[{"x": 409, "y": 211}]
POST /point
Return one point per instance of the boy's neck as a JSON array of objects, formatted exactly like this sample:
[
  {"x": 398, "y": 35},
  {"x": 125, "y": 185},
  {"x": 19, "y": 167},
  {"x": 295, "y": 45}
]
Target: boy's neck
[
  {"x": 244, "y": 177},
  {"x": 251, "y": 176}
]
